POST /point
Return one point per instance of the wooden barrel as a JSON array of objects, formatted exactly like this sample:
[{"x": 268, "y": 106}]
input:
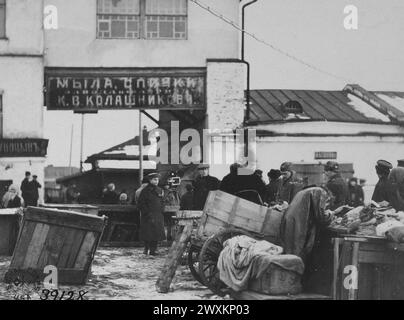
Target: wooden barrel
[
  {"x": 9, "y": 225},
  {"x": 64, "y": 239}
]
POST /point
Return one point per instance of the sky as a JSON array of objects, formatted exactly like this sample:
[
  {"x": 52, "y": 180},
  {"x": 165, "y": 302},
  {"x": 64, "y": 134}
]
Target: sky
[{"x": 311, "y": 30}]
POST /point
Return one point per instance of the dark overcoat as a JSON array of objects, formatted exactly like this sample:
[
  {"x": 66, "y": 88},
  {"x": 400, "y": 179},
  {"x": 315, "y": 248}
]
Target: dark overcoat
[
  {"x": 151, "y": 214},
  {"x": 339, "y": 190}
]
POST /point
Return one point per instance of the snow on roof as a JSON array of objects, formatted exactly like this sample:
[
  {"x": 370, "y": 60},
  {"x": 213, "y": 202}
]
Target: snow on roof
[
  {"x": 395, "y": 101},
  {"x": 366, "y": 109},
  {"x": 133, "y": 150}
]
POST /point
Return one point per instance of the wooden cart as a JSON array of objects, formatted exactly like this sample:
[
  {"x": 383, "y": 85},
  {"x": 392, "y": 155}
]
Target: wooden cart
[{"x": 226, "y": 216}]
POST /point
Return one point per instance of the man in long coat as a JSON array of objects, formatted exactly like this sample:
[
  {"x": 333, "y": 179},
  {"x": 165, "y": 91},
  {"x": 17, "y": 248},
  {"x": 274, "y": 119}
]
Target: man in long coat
[{"x": 151, "y": 215}]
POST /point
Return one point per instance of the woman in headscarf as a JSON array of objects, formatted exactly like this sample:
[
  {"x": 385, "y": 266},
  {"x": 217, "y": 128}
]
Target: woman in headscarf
[
  {"x": 396, "y": 178},
  {"x": 11, "y": 198},
  {"x": 303, "y": 220}
]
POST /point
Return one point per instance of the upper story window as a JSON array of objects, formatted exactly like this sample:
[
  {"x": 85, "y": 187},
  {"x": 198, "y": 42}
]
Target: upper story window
[
  {"x": 142, "y": 19},
  {"x": 2, "y": 18}
]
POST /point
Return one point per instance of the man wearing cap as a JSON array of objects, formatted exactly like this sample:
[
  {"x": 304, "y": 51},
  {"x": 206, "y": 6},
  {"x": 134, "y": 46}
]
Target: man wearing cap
[
  {"x": 384, "y": 188},
  {"x": 336, "y": 185},
  {"x": 203, "y": 184},
  {"x": 25, "y": 188},
  {"x": 151, "y": 215},
  {"x": 289, "y": 185},
  {"x": 35, "y": 187},
  {"x": 271, "y": 189}
]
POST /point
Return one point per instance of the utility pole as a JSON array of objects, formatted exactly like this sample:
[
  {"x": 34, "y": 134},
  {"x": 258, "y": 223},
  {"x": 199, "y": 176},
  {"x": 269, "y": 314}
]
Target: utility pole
[{"x": 140, "y": 148}]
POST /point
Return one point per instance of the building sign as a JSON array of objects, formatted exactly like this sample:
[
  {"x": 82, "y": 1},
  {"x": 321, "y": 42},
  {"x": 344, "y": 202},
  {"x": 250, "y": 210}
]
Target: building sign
[
  {"x": 23, "y": 147},
  {"x": 325, "y": 155},
  {"x": 92, "y": 89}
]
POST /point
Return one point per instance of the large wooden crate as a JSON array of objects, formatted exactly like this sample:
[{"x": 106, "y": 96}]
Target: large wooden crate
[
  {"x": 223, "y": 210},
  {"x": 122, "y": 229},
  {"x": 9, "y": 224},
  {"x": 63, "y": 239},
  {"x": 82, "y": 208}
]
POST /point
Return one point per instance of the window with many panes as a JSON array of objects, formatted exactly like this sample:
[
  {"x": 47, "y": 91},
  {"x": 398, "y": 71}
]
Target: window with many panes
[
  {"x": 142, "y": 19},
  {"x": 2, "y": 18}
]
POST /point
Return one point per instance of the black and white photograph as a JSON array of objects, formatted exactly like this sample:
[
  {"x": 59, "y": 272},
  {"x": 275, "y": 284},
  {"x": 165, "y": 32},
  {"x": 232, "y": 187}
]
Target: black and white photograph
[{"x": 211, "y": 153}]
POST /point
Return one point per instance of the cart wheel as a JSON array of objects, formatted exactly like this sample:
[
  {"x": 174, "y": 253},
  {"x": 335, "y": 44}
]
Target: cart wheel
[
  {"x": 193, "y": 261},
  {"x": 208, "y": 258}
]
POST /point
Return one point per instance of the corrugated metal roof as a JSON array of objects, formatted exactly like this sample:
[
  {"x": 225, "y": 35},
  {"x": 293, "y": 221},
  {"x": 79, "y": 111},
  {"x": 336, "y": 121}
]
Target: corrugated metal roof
[{"x": 323, "y": 105}]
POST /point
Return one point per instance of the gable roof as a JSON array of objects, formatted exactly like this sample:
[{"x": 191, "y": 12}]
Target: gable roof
[
  {"x": 352, "y": 104},
  {"x": 128, "y": 150}
]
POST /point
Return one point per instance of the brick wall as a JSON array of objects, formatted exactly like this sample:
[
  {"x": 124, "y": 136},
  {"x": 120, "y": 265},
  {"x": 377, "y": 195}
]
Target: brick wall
[{"x": 225, "y": 94}]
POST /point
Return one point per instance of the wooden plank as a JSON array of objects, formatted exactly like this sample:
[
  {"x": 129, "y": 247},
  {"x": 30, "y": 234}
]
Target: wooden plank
[
  {"x": 23, "y": 242},
  {"x": 70, "y": 238},
  {"x": 52, "y": 247},
  {"x": 346, "y": 259},
  {"x": 75, "y": 248},
  {"x": 355, "y": 257},
  {"x": 336, "y": 266},
  {"x": 251, "y": 295},
  {"x": 36, "y": 245},
  {"x": 378, "y": 257},
  {"x": 85, "y": 251},
  {"x": 65, "y": 219},
  {"x": 173, "y": 259}
]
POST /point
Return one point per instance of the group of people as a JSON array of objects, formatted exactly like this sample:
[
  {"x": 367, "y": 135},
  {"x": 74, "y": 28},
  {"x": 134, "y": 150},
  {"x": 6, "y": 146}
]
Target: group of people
[
  {"x": 315, "y": 207},
  {"x": 110, "y": 196},
  {"x": 283, "y": 186},
  {"x": 29, "y": 193}
]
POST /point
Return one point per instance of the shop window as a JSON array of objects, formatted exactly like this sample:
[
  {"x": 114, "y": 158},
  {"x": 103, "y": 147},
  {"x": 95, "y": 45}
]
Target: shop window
[
  {"x": 142, "y": 19},
  {"x": 2, "y": 19}
]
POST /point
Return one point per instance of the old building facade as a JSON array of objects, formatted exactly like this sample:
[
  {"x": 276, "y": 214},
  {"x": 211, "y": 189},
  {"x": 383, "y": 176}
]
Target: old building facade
[
  {"x": 172, "y": 56},
  {"x": 22, "y": 144}
]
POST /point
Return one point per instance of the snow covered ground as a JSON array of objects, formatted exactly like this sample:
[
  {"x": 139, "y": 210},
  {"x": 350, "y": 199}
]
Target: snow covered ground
[{"x": 126, "y": 274}]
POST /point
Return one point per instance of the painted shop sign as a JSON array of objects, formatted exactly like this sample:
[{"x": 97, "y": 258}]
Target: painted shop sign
[
  {"x": 325, "y": 155},
  {"x": 83, "y": 89},
  {"x": 23, "y": 147}
]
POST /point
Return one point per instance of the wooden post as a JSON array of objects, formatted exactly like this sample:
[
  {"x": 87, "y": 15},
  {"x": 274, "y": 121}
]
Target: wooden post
[
  {"x": 337, "y": 243},
  {"x": 140, "y": 149},
  {"x": 174, "y": 256},
  {"x": 353, "y": 293}
]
